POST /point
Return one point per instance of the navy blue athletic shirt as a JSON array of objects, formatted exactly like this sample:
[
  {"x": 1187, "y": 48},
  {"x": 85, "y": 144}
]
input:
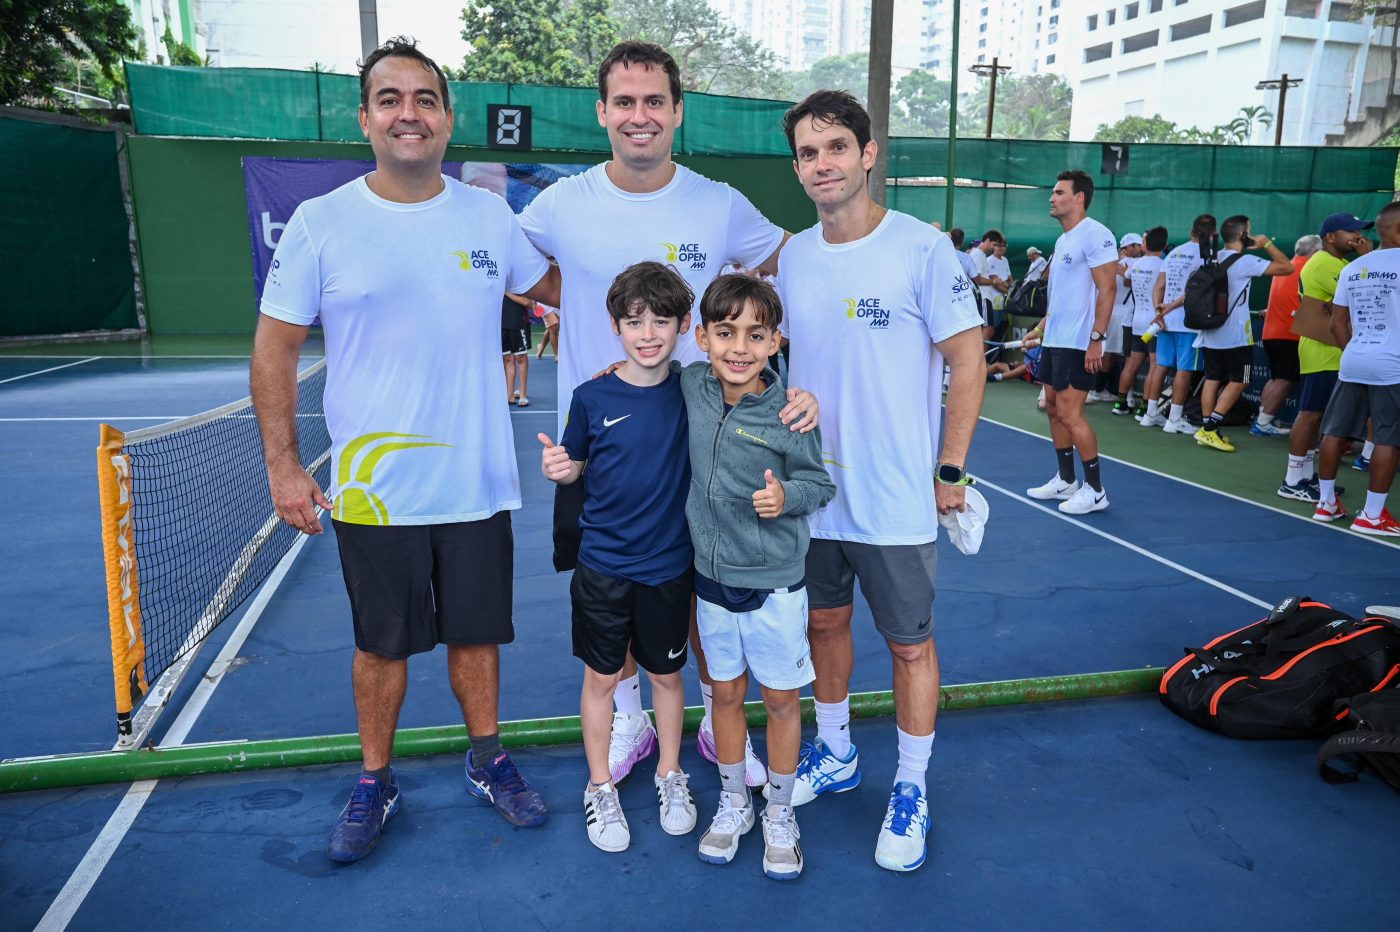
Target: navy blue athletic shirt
[{"x": 636, "y": 443}]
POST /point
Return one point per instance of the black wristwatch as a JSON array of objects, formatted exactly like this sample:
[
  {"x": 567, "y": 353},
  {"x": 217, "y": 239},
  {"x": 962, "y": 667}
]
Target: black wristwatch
[
  {"x": 1097, "y": 337},
  {"x": 948, "y": 474}
]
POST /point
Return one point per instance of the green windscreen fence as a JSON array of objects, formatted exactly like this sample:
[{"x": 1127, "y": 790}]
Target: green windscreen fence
[{"x": 66, "y": 236}]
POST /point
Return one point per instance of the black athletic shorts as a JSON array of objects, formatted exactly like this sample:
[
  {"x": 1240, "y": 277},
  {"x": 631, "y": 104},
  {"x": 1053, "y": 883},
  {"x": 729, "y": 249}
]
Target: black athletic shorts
[
  {"x": 1062, "y": 368},
  {"x": 1283, "y": 359},
  {"x": 515, "y": 341},
  {"x": 1136, "y": 345},
  {"x": 1228, "y": 365},
  {"x": 413, "y": 587},
  {"x": 611, "y": 613},
  {"x": 1316, "y": 390}
]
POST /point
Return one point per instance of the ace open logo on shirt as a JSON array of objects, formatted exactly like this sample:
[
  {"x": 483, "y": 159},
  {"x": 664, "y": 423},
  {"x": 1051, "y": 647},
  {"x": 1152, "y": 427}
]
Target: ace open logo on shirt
[
  {"x": 868, "y": 310},
  {"x": 478, "y": 259},
  {"x": 685, "y": 254}
]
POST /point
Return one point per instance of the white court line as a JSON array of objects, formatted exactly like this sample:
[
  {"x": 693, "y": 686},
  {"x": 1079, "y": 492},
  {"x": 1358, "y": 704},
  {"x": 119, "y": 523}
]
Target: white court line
[
  {"x": 89, "y": 869},
  {"x": 29, "y": 375},
  {"x": 1205, "y": 488},
  {"x": 1055, "y": 512}
]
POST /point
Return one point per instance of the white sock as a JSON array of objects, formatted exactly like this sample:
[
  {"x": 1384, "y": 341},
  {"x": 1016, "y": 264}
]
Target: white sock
[
  {"x": 834, "y": 726},
  {"x": 1326, "y": 491},
  {"x": 1178, "y": 411},
  {"x": 1154, "y": 407},
  {"x": 707, "y": 696},
  {"x": 1265, "y": 420},
  {"x": 1295, "y": 469},
  {"x": 1368, "y": 448},
  {"x": 627, "y": 697},
  {"x": 914, "y": 753},
  {"x": 1310, "y": 467},
  {"x": 1131, "y": 398},
  {"x": 1375, "y": 504}
]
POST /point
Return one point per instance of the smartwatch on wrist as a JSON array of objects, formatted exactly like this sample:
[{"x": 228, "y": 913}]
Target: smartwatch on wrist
[
  {"x": 1097, "y": 337},
  {"x": 948, "y": 474}
]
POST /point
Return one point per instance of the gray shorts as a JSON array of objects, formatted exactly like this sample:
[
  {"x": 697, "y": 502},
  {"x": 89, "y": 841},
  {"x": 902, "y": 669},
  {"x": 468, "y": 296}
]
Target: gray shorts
[
  {"x": 1352, "y": 403},
  {"x": 897, "y": 582}
]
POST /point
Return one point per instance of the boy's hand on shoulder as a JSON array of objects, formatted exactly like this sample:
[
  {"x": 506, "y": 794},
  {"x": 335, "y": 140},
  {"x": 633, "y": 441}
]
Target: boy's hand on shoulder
[
  {"x": 768, "y": 501},
  {"x": 610, "y": 369},
  {"x": 554, "y": 461},
  {"x": 801, "y": 412}
]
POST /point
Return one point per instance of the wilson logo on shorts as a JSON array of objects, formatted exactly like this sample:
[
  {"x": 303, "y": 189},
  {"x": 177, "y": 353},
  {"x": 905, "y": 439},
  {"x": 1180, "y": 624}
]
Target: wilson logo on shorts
[
  {"x": 478, "y": 259},
  {"x": 354, "y": 502},
  {"x": 867, "y": 310},
  {"x": 686, "y": 255}
]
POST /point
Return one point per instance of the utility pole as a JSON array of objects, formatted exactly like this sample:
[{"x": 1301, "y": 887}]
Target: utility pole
[
  {"x": 991, "y": 70},
  {"x": 952, "y": 118},
  {"x": 1281, "y": 85},
  {"x": 369, "y": 27},
  {"x": 878, "y": 94}
]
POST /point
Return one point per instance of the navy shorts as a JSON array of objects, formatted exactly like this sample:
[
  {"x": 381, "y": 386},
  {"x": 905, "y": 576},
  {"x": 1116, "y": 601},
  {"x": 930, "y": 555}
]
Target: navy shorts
[{"x": 1316, "y": 390}]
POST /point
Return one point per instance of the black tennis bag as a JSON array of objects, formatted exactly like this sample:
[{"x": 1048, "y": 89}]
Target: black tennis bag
[
  {"x": 1029, "y": 298},
  {"x": 1373, "y": 743},
  {"x": 1282, "y": 676}
]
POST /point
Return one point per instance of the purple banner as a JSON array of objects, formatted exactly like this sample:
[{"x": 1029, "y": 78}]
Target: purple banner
[{"x": 276, "y": 186}]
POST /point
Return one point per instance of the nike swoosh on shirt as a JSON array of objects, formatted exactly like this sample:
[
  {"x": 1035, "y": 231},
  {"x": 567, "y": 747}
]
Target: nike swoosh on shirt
[
  {"x": 610, "y": 422},
  {"x": 673, "y": 654}
]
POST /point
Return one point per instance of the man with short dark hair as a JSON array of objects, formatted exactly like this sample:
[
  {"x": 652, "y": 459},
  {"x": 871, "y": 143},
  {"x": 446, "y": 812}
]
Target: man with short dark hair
[
  {"x": 406, "y": 270},
  {"x": 1142, "y": 274},
  {"x": 1176, "y": 347},
  {"x": 1082, "y": 291}
]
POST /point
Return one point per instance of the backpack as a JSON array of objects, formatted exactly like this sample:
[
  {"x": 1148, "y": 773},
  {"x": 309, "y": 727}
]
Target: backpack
[
  {"x": 1282, "y": 676},
  {"x": 1028, "y": 299},
  {"x": 1373, "y": 742},
  {"x": 1207, "y": 296}
]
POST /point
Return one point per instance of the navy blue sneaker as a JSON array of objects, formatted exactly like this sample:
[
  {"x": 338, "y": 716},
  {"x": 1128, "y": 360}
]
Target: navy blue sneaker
[
  {"x": 500, "y": 784},
  {"x": 1361, "y": 463},
  {"x": 357, "y": 830}
]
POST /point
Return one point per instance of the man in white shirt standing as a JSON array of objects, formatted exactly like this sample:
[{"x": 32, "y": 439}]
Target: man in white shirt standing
[
  {"x": 406, "y": 270},
  {"x": 1229, "y": 348},
  {"x": 1129, "y": 251},
  {"x": 1082, "y": 292},
  {"x": 1038, "y": 265},
  {"x": 639, "y": 205},
  {"x": 1366, "y": 323},
  {"x": 1176, "y": 344},
  {"x": 875, "y": 301}
]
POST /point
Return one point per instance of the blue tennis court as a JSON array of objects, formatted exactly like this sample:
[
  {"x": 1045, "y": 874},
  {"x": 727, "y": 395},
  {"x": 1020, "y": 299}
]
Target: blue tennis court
[{"x": 1051, "y": 816}]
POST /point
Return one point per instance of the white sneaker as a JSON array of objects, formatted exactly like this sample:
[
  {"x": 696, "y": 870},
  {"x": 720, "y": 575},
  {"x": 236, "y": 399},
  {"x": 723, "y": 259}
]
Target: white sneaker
[
  {"x": 1055, "y": 488},
  {"x": 819, "y": 771},
  {"x": 677, "y": 809},
  {"x": 1178, "y": 426},
  {"x": 1152, "y": 420},
  {"x": 782, "y": 857},
  {"x": 902, "y": 845},
  {"x": 1091, "y": 398},
  {"x": 721, "y": 842},
  {"x": 1103, "y": 396},
  {"x": 1084, "y": 501},
  {"x": 633, "y": 739},
  {"x": 755, "y": 774},
  {"x": 607, "y": 826}
]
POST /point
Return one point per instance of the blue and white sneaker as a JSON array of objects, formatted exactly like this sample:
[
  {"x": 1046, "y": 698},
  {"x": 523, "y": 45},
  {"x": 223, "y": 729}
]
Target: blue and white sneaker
[
  {"x": 1304, "y": 490},
  {"x": 1361, "y": 463},
  {"x": 362, "y": 820},
  {"x": 1266, "y": 430},
  {"x": 820, "y": 771},
  {"x": 500, "y": 784},
  {"x": 903, "y": 838}
]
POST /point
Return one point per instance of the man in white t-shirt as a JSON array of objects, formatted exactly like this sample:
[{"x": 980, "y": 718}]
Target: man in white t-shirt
[
  {"x": 406, "y": 270},
  {"x": 999, "y": 270},
  {"x": 1229, "y": 348},
  {"x": 1366, "y": 323},
  {"x": 981, "y": 255},
  {"x": 639, "y": 205},
  {"x": 1129, "y": 250},
  {"x": 1082, "y": 292},
  {"x": 1038, "y": 265},
  {"x": 1142, "y": 275},
  {"x": 1176, "y": 347},
  {"x": 875, "y": 302}
]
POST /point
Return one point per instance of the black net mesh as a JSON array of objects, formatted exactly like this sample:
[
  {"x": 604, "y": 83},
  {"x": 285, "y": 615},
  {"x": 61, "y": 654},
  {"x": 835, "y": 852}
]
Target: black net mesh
[{"x": 205, "y": 532}]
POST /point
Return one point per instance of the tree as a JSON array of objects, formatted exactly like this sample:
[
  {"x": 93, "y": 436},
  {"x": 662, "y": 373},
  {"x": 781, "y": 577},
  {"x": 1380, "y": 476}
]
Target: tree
[
  {"x": 37, "y": 36},
  {"x": 837, "y": 72},
  {"x": 1236, "y": 132},
  {"x": 714, "y": 57},
  {"x": 1036, "y": 106},
  {"x": 536, "y": 41},
  {"x": 919, "y": 106},
  {"x": 178, "y": 53},
  {"x": 1139, "y": 129}
]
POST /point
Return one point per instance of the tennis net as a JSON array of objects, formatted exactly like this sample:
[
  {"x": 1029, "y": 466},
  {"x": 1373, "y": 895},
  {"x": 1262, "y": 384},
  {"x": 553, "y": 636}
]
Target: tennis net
[{"x": 188, "y": 534}]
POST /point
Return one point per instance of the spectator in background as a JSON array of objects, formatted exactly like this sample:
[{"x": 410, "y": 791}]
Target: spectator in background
[
  {"x": 1142, "y": 275},
  {"x": 969, "y": 266},
  {"x": 986, "y": 281},
  {"x": 1280, "y": 343},
  {"x": 1000, "y": 268},
  {"x": 1318, "y": 362},
  {"x": 1176, "y": 343},
  {"x": 1038, "y": 265},
  {"x": 1129, "y": 251},
  {"x": 515, "y": 346},
  {"x": 550, "y": 317}
]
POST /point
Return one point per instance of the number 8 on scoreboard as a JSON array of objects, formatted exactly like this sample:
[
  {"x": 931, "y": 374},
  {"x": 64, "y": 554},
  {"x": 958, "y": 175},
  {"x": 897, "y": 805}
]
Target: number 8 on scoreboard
[{"x": 507, "y": 127}]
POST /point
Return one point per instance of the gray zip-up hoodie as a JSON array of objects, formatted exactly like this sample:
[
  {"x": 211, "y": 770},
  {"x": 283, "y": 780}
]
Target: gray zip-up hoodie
[{"x": 728, "y": 455}]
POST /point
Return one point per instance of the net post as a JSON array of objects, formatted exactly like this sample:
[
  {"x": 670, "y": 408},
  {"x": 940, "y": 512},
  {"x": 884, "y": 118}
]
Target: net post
[{"x": 119, "y": 554}]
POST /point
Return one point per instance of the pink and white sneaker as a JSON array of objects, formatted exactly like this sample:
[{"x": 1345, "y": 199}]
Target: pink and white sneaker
[
  {"x": 755, "y": 774},
  {"x": 633, "y": 740}
]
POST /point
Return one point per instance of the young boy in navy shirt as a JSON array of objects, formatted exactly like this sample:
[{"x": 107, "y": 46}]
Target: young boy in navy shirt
[{"x": 634, "y": 577}]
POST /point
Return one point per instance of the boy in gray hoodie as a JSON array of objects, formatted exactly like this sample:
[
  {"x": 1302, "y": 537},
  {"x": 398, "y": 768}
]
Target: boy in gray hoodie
[{"x": 753, "y": 484}]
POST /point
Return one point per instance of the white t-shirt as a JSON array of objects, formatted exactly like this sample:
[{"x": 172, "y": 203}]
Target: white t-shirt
[
  {"x": 1078, "y": 252},
  {"x": 999, "y": 267},
  {"x": 1236, "y": 330},
  {"x": 863, "y": 318},
  {"x": 1037, "y": 268},
  {"x": 969, "y": 267},
  {"x": 594, "y": 230},
  {"x": 982, "y": 262},
  {"x": 409, "y": 297},
  {"x": 1123, "y": 302},
  {"x": 1177, "y": 267},
  {"x": 1369, "y": 288},
  {"x": 1143, "y": 276}
]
